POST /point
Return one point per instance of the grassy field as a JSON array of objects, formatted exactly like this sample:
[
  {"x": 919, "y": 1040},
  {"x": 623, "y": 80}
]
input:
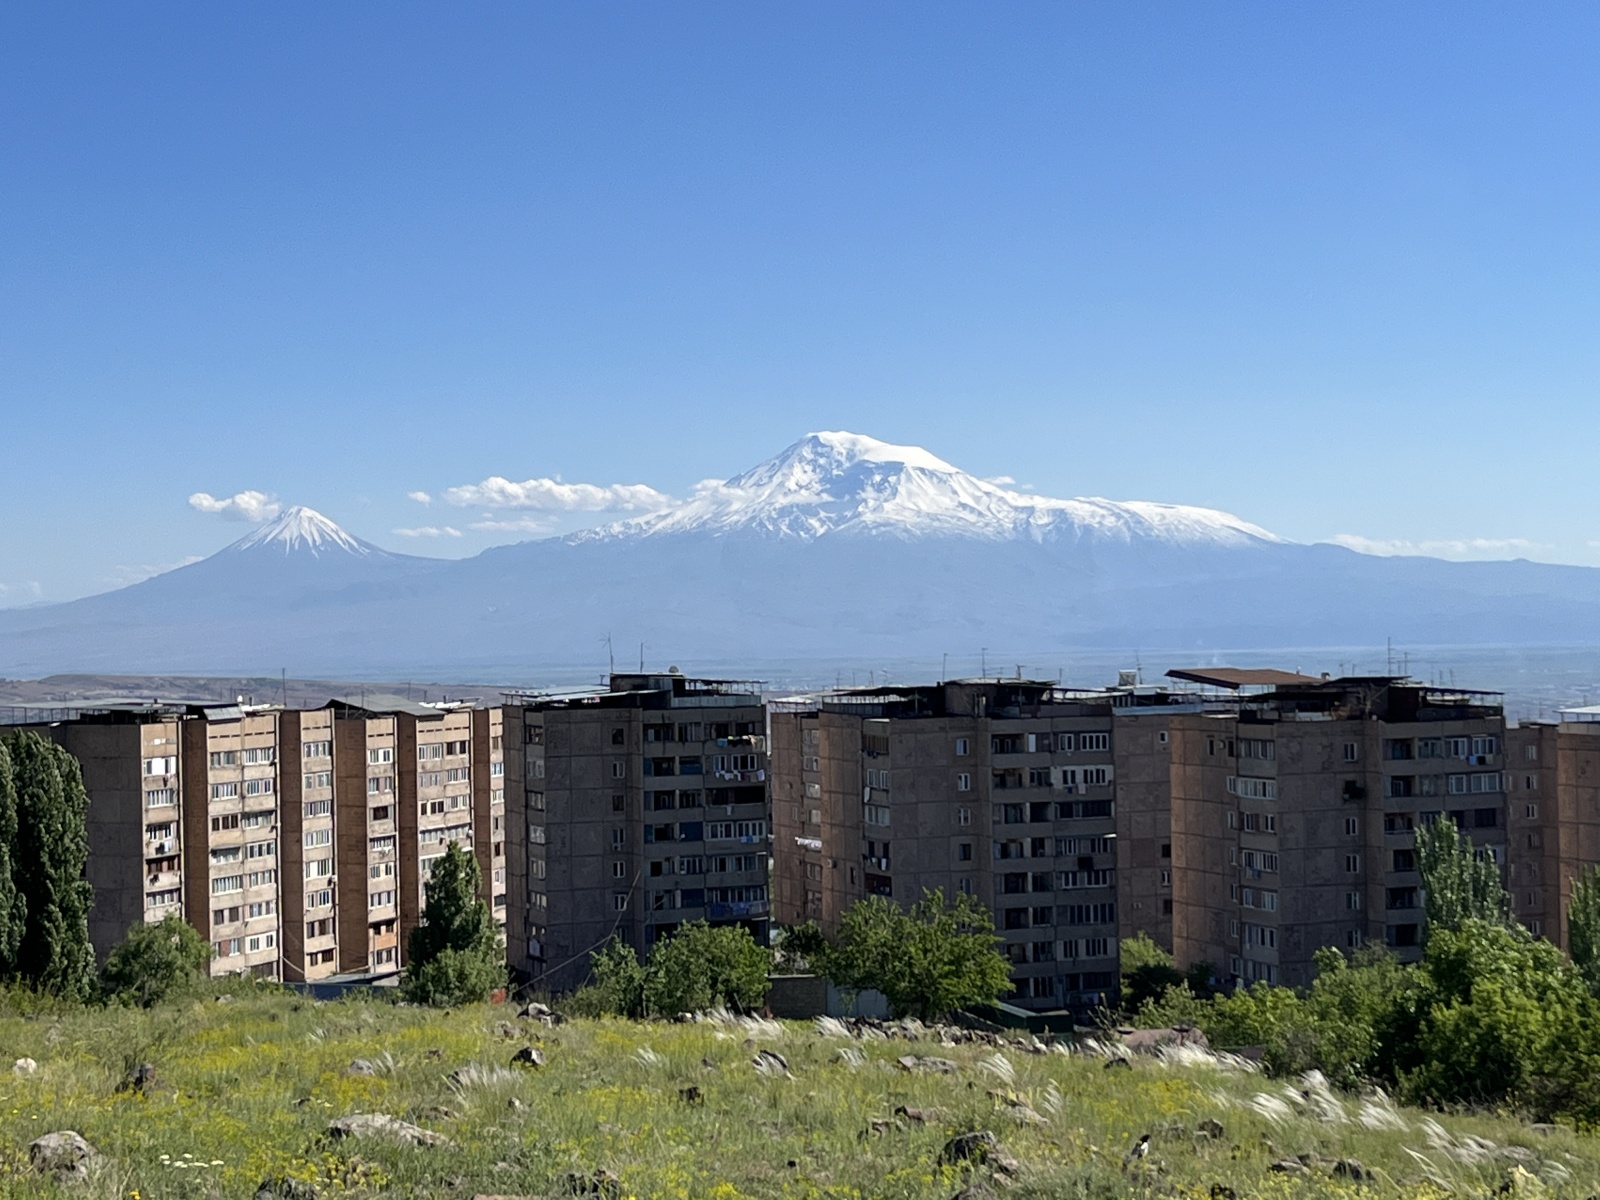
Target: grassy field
[{"x": 245, "y": 1092}]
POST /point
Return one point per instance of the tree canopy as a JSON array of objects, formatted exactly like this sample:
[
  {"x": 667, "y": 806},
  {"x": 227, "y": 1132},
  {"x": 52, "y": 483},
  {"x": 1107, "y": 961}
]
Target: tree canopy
[{"x": 454, "y": 956}]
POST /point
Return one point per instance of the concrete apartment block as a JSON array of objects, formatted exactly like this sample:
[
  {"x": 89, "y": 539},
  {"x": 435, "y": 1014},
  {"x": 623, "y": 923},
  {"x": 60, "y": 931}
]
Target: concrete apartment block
[
  {"x": 132, "y": 768},
  {"x": 306, "y": 848},
  {"x": 641, "y": 808},
  {"x": 230, "y": 831},
  {"x": 1293, "y": 821},
  {"x": 1002, "y": 789}
]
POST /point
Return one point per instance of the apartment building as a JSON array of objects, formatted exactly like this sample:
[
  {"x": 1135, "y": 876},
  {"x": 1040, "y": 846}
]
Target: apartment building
[
  {"x": 643, "y": 807},
  {"x": 229, "y": 798},
  {"x": 1000, "y": 789},
  {"x": 298, "y": 842},
  {"x": 132, "y": 763},
  {"x": 1293, "y": 820}
]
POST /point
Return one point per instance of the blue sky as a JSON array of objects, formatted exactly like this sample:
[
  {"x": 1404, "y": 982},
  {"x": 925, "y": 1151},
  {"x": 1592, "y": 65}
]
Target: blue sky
[{"x": 1333, "y": 268}]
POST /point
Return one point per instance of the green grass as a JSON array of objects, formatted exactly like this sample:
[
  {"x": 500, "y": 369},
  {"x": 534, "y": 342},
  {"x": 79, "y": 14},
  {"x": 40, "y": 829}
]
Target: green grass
[{"x": 251, "y": 1086}]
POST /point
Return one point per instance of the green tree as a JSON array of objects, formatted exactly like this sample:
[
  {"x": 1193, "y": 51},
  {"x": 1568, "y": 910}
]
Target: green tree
[
  {"x": 1147, "y": 972},
  {"x": 703, "y": 966},
  {"x": 928, "y": 961},
  {"x": 454, "y": 956},
  {"x": 1583, "y": 927},
  {"x": 156, "y": 962},
  {"x": 616, "y": 980},
  {"x": 52, "y": 851},
  {"x": 13, "y": 908},
  {"x": 1457, "y": 884}
]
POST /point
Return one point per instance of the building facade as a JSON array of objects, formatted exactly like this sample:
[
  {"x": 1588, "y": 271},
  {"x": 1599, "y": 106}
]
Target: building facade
[
  {"x": 1293, "y": 821},
  {"x": 1004, "y": 790},
  {"x": 642, "y": 807}
]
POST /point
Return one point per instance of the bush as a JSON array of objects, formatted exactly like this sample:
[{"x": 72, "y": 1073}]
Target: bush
[
  {"x": 698, "y": 968},
  {"x": 928, "y": 961},
  {"x": 155, "y": 963}
]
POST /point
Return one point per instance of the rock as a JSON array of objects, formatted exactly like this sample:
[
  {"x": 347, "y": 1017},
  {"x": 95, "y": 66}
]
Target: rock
[
  {"x": 142, "y": 1080},
  {"x": 976, "y": 1189},
  {"x": 535, "y": 1010},
  {"x": 506, "y": 1029},
  {"x": 224, "y": 999},
  {"x": 600, "y": 1183},
  {"x": 1118, "y": 1062},
  {"x": 979, "y": 1147},
  {"x": 1221, "y": 1191},
  {"x": 63, "y": 1154},
  {"x": 528, "y": 1056},
  {"x": 515, "y": 1105},
  {"x": 361, "y": 1067},
  {"x": 917, "y": 1116},
  {"x": 1351, "y": 1168},
  {"x": 1288, "y": 1166},
  {"x": 24, "y": 1066},
  {"x": 365, "y": 1125},
  {"x": 437, "y": 1112},
  {"x": 1017, "y": 1107},
  {"x": 433, "y": 1055},
  {"x": 926, "y": 1064},
  {"x": 1210, "y": 1129},
  {"x": 880, "y": 1125},
  {"x": 283, "y": 1187},
  {"x": 691, "y": 1095}
]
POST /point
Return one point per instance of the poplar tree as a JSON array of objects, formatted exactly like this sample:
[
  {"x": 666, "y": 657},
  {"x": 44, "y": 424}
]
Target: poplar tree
[
  {"x": 1583, "y": 927},
  {"x": 1458, "y": 885},
  {"x": 49, "y": 861},
  {"x": 454, "y": 956},
  {"x": 13, "y": 909}
]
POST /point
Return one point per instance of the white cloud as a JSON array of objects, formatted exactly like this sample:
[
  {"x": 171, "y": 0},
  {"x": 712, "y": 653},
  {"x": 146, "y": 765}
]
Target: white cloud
[
  {"x": 429, "y": 531},
  {"x": 11, "y": 593},
  {"x": 1457, "y": 548},
  {"x": 1000, "y": 480},
  {"x": 420, "y": 497},
  {"x": 251, "y": 506},
  {"x": 515, "y": 525},
  {"x": 552, "y": 495}
]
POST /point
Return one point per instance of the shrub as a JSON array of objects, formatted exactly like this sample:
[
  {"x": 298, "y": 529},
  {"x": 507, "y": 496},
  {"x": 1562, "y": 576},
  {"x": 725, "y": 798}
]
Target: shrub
[
  {"x": 155, "y": 963},
  {"x": 454, "y": 955},
  {"x": 699, "y": 967}
]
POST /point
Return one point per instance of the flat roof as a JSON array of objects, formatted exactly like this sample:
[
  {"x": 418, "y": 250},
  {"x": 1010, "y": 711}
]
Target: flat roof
[{"x": 1238, "y": 677}]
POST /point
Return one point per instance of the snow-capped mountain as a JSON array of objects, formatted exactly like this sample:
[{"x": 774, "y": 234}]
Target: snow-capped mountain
[
  {"x": 301, "y": 530},
  {"x": 840, "y": 548},
  {"x": 845, "y": 483}
]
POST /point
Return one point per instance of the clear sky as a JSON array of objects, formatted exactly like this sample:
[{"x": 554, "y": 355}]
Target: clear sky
[{"x": 1335, "y": 268}]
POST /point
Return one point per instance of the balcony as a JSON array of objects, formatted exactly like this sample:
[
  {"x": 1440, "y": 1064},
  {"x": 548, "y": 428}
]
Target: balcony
[{"x": 737, "y": 909}]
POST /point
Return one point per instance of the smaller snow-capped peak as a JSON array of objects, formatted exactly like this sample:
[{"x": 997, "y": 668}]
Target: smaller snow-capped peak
[
  {"x": 302, "y": 530},
  {"x": 846, "y": 483}
]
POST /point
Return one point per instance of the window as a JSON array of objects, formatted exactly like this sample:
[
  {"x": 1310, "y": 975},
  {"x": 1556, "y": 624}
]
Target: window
[
  {"x": 1352, "y": 901},
  {"x": 260, "y": 878},
  {"x": 963, "y": 816},
  {"x": 261, "y": 849},
  {"x": 224, "y": 791},
  {"x": 258, "y": 787},
  {"x": 316, "y": 868},
  {"x": 1352, "y": 752},
  {"x": 963, "y": 782},
  {"x": 261, "y": 908},
  {"x": 224, "y": 758},
  {"x": 227, "y": 883},
  {"x": 1259, "y": 861},
  {"x": 1094, "y": 741},
  {"x": 224, "y": 822},
  {"x": 378, "y": 785},
  {"x": 963, "y": 747},
  {"x": 1352, "y": 863},
  {"x": 259, "y": 754},
  {"x": 381, "y": 754},
  {"x": 1531, "y": 811},
  {"x": 1166, "y": 877},
  {"x": 161, "y": 797},
  {"x": 1352, "y": 826},
  {"x": 1257, "y": 748},
  {"x": 1530, "y": 752},
  {"x": 1252, "y": 789},
  {"x": 318, "y": 837},
  {"x": 618, "y": 770},
  {"x": 1405, "y": 860},
  {"x": 1065, "y": 742},
  {"x": 317, "y": 779},
  {"x": 964, "y": 852},
  {"x": 316, "y": 750},
  {"x": 321, "y": 898},
  {"x": 619, "y": 901}
]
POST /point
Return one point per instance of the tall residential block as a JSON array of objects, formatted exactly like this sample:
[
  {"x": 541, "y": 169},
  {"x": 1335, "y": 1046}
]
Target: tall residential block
[
  {"x": 1000, "y": 789},
  {"x": 641, "y": 807},
  {"x": 1293, "y": 820}
]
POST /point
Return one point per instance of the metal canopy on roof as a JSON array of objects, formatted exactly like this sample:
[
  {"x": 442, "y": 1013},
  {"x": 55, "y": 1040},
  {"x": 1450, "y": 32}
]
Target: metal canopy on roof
[{"x": 1234, "y": 678}]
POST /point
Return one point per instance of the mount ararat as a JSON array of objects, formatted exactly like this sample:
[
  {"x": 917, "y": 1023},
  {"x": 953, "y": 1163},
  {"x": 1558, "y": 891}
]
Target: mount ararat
[{"x": 841, "y": 547}]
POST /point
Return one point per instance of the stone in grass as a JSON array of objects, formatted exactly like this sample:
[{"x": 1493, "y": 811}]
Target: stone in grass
[
  {"x": 63, "y": 1154},
  {"x": 381, "y": 1125},
  {"x": 142, "y": 1081},
  {"x": 24, "y": 1066},
  {"x": 285, "y": 1187},
  {"x": 361, "y": 1066},
  {"x": 600, "y": 1183},
  {"x": 979, "y": 1148},
  {"x": 1210, "y": 1128},
  {"x": 528, "y": 1056}
]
